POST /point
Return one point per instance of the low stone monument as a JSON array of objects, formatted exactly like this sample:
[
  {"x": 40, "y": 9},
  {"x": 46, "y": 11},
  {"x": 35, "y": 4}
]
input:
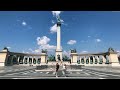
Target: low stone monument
[{"x": 73, "y": 56}]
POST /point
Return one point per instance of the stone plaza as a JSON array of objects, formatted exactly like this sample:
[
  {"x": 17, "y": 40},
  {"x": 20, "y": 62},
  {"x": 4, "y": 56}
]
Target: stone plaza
[{"x": 89, "y": 65}]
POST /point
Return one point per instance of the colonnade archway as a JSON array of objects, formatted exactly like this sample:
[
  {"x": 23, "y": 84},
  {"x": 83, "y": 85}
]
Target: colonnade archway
[
  {"x": 23, "y": 59},
  {"x": 29, "y": 60},
  {"x": 97, "y": 59}
]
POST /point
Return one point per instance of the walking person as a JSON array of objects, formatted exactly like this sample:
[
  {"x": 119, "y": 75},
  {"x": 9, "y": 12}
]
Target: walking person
[
  {"x": 57, "y": 68},
  {"x": 64, "y": 70}
]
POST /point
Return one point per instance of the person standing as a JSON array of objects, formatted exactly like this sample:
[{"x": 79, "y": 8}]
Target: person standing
[
  {"x": 57, "y": 68},
  {"x": 64, "y": 70}
]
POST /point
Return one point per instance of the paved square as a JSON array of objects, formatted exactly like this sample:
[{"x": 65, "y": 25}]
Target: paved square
[{"x": 31, "y": 73}]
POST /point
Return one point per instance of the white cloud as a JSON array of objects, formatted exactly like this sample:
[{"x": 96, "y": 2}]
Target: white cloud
[
  {"x": 33, "y": 51},
  {"x": 98, "y": 40},
  {"x": 43, "y": 43},
  {"x": 71, "y": 42},
  {"x": 47, "y": 46},
  {"x": 24, "y": 23},
  {"x": 53, "y": 29},
  {"x": 118, "y": 52},
  {"x": 61, "y": 21},
  {"x": 56, "y": 13},
  {"x": 37, "y": 51},
  {"x": 84, "y": 52},
  {"x": 8, "y": 47},
  {"x": 30, "y": 49},
  {"x": 42, "y": 40},
  {"x": 67, "y": 53},
  {"x": 23, "y": 51}
]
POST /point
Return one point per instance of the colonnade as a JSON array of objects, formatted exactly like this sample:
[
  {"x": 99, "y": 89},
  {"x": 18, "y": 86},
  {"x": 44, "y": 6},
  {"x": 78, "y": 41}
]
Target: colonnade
[
  {"x": 23, "y": 60},
  {"x": 98, "y": 59},
  {"x": 95, "y": 59}
]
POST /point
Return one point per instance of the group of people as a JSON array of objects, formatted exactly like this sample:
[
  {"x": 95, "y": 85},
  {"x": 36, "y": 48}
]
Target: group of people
[{"x": 64, "y": 69}]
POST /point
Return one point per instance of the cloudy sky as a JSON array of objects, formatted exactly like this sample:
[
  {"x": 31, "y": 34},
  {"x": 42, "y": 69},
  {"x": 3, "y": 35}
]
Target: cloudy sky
[{"x": 86, "y": 31}]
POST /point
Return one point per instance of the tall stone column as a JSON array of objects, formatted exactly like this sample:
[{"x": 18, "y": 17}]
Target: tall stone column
[
  {"x": 18, "y": 58},
  {"x": 32, "y": 61},
  {"x": 58, "y": 48},
  {"x": 80, "y": 59},
  {"x": 58, "y": 37},
  {"x": 93, "y": 60},
  {"x": 24, "y": 60},
  {"x": 85, "y": 60},
  {"x": 89, "y": 61},
  {"x": 98, "y": 59}
]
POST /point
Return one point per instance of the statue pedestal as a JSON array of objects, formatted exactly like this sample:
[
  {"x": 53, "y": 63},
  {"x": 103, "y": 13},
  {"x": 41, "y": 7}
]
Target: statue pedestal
[
  {"x": 113, "y": 59},
  {"x": 43, "y": 58},
  {"x": 58, "y": 52},
  {"x": 74, "y": 57},
  {"x": 3, "y": 57}
]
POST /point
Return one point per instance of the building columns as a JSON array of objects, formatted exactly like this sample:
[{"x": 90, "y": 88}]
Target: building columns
[
  {"x": 93, "y": 60},
  {"x": 104, "y": 60}
]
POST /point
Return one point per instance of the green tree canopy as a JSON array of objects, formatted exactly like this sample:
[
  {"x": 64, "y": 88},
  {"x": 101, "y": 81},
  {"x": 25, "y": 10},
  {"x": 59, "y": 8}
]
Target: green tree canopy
[
  {"x": 65, "y": 58},
  {"x": 51, "y": 58}
]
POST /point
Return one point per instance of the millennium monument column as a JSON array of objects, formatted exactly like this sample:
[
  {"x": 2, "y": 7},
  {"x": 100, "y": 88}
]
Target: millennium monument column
[{"x": 58, "y": 48}]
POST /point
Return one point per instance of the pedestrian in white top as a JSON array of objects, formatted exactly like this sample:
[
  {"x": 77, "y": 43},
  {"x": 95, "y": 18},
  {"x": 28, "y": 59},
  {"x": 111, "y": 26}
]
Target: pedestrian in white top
[{"x": 64, "y": 70}]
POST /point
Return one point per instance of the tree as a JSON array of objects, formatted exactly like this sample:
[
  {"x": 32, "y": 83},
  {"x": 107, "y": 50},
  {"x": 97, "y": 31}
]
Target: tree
[
  {"x": 51, "y": 58},
  {"x": 65, "y": 58}
]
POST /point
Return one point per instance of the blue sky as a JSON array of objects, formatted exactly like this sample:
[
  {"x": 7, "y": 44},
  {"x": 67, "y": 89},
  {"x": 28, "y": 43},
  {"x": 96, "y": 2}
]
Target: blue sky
[{"x": 87, "y": 31}]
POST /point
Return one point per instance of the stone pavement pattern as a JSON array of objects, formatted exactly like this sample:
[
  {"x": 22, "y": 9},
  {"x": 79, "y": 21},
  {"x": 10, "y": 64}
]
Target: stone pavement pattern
[{"x": 16, "y": 72}]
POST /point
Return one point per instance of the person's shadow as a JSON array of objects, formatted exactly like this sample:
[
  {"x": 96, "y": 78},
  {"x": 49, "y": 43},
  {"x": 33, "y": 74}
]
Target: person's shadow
[{"x": 60, "y": 74}]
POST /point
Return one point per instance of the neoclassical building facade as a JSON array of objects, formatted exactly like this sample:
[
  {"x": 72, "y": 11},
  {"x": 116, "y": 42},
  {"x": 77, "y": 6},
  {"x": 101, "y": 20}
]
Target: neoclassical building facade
[{"x": 108, "y": 58}]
